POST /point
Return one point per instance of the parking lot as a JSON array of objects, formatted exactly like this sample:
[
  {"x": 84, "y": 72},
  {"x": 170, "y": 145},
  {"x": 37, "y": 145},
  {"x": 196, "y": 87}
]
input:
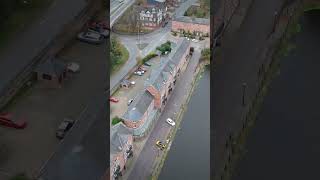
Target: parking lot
[
  {"x": 44, "y": 108},
  {"x": 125, "y": 94}
]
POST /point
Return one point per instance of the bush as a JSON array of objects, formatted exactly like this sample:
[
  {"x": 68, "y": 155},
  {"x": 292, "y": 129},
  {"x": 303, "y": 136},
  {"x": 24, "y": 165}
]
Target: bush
[
  {"x": 20, "y": 176},
  {"x": 148, "y": 57},
  {"x": 165, "y": 47},
  {"x": 116, "y": 120}
]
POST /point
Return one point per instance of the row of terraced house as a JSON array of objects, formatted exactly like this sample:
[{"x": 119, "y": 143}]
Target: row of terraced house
[{"x": 147, "y": 106}]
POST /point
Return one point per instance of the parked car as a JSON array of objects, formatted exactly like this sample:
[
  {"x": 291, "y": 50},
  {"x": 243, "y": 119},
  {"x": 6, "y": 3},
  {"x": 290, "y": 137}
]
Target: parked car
[
  {"x": 90, "y": 37},
  {"x": 141, "y": 68},
  {"x": 132, "y": 82},
  {"x": 160, "y": 145},
  {"x": 130, "y": 101},
  {"x": 104, "y": 32},
  {"x": 64, "y": 127},
  {"x": 147, "y": 64},
  {"x": 139, "y": 73},
  {"x": 171, "y": 122},
  {"x": 7, "y": 119},
  {"x": 113, "y": 99}
]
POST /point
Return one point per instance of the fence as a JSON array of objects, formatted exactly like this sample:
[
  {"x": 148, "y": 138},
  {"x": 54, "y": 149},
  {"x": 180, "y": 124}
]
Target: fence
[{"x": 266, "y": 68}]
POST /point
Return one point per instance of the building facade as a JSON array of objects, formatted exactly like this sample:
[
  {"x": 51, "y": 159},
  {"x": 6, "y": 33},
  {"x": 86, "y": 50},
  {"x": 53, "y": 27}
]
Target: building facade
[
  {"x": 199, "y": 26},
  {"x": 158, "y": 89},
  {"x": 152, "y": 16},
  {"x": 121, "y": 150}
]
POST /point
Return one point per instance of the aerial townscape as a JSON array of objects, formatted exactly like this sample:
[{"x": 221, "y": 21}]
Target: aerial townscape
[{"x": 158, "y": 49}]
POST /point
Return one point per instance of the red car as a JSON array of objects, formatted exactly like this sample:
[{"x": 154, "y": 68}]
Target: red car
[
  {"x": 7, "y": 119},
  {"x": 113, "y": 99}
]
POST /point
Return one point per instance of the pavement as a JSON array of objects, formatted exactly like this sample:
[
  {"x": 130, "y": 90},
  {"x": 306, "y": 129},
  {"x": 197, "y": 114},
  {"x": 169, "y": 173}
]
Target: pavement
[
  {"x": 28, "y": 44},
  {"x": 239, "y": 65},
  {"x": 143, "y": 167}
]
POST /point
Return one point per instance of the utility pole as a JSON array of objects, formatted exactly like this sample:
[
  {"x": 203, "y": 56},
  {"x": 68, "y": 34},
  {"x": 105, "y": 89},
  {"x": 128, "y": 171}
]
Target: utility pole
[{"x": 244, "y": 86}]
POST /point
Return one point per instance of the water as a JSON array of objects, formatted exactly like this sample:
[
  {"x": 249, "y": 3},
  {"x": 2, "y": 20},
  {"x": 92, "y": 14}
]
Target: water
[
  {"x": 189, "y": 156},
  {"x": 284, "y": 144}
]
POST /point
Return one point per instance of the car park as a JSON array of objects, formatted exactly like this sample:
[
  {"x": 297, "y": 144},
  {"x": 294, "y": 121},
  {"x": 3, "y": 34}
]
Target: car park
[
  {"x": 64, "y": 127},
  {"x": 171, "y": 122},
  {"x": 160, "y": 145},
  {"x": 8, "y": 120},
  {"x": 90, "y": 37}
]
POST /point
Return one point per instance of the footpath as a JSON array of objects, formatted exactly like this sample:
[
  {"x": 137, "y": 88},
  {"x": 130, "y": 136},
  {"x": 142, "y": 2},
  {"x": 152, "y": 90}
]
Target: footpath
[{"x": 237, "y": 78}]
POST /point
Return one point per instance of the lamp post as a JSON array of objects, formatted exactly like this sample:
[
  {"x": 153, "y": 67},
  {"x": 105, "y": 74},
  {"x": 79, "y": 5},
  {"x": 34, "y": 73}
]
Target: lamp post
[{"x": 244, "y": 86}]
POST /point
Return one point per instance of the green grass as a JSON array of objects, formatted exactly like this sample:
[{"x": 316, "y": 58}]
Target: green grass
[
  {"x": 310, "y": 7},
  {"x": 20, "y": 176},
  {"x": 20, "y": 19},
  {"x": 124, "y": 59},
  {"x": 116, "y": 120}
]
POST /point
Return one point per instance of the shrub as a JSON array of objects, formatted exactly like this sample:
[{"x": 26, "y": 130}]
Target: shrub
[
  {"x": 148, "y": 57},
  {"x": 165, "y": 47},
  {"x": 116, "y": 120},
  {"x": 20, "y": 176}
]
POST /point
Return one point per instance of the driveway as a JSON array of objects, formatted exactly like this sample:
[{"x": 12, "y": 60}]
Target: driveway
[{"x": 27, "y": 45}]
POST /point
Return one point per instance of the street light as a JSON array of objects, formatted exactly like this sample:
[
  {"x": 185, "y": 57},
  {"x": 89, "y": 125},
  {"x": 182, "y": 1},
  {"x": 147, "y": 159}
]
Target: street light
[{"x": 244, "y": 85}]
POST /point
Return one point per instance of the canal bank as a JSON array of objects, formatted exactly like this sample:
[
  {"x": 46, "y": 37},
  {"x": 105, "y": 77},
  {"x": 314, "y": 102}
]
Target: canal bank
[
  {"x": 159, "y": 162},
  {"x": 190, "y": 151},
  {"x": 283, "y": 143}
]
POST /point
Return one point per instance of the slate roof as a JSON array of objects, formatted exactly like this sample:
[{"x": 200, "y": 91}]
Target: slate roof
[
  {"x": 187, "y": 19},
  {"x": 139, "y": 106},
  {"x": 180, "y": 51},
  {"x": 51, "y": 67},
  {"x": 118, "y": 137}
]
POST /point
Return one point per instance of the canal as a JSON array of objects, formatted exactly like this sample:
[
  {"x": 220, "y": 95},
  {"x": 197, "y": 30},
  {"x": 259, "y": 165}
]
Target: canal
[
  {"x": 284, "y": 143},
  {"x": 189, "y": 156}
]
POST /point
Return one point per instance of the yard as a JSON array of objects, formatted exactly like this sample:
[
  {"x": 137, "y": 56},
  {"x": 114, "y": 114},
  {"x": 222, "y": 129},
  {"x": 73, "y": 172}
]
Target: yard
[{"x": 201, "y": 11}]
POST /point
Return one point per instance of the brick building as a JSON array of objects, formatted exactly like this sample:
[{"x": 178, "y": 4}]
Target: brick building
[
  {"x": 152, "y": 16},
  {"x": 199, "y": 26},
  {"x": 120, "y": 149},
  {"x": 141, "y": 113}
]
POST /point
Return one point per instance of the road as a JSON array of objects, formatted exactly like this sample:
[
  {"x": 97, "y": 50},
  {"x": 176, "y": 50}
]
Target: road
[
  {"x": 82, "y": 154},
  {"x": 117, "y": 9},
  {"x": 28, "y": 44},
  {"x": 144, "y": 164},
  {"x": 153, "y": 39},
  {"x": 239, "y": 64}
]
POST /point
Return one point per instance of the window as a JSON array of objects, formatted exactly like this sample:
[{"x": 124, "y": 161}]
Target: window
[{"x": 46, "y": 76}]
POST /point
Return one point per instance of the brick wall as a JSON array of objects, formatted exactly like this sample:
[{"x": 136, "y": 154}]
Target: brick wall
[{"x": 177, "y": 25}]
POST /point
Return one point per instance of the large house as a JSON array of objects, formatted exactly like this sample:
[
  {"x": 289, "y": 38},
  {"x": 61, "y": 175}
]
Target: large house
[
  {"x": 147, "y": 105},
  {"x": 120, "y": 149},
  {"x": 199, "y": 26},
  {"x": 152, "y": 16}
]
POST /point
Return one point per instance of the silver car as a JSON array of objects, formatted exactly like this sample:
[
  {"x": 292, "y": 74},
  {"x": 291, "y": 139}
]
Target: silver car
[{"x": 91, "y": 37}]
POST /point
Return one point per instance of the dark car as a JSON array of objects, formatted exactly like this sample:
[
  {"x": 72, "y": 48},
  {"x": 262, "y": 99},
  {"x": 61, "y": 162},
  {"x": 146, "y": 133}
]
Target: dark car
[
  {"x": 64, "y": 127},
  {"x": 7, "y": 119}
]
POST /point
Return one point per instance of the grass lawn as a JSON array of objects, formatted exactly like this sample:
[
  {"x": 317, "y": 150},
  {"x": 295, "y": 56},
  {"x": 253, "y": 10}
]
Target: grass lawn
[
  {"x": 124, "y": 59},
  {"x": 20, "y": 19}
]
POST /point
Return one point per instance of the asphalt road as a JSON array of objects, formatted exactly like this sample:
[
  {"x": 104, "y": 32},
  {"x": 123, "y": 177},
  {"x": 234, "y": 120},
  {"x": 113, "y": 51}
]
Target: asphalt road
[
  {"x": 83, "y": 153},
  {"x": 28, "y": 44},
  {"x": 239, "y": 64},
  {"x": 144, "y": 164},
  {"x": 118, "y": 11},
  {"x": 153, "y": 39}
]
